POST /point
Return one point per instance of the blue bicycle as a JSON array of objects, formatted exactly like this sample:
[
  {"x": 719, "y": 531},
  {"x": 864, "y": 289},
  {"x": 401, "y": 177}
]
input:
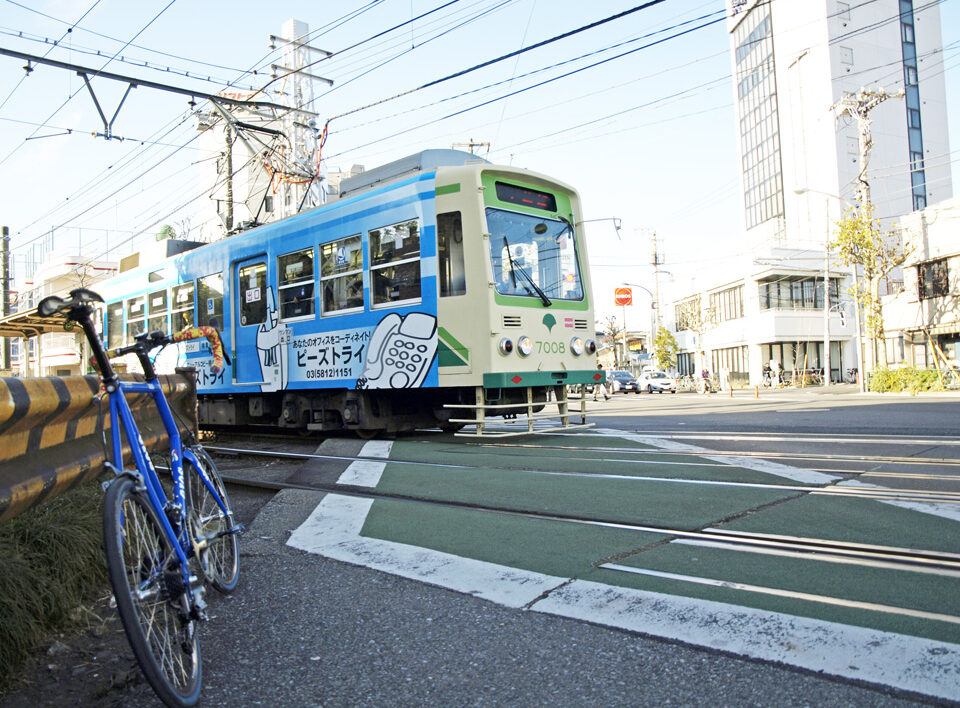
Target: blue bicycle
[{"x": 161, "y": 550}]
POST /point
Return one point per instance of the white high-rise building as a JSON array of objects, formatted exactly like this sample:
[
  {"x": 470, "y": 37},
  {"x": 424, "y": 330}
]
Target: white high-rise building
[{"x": 794, "y": 62}]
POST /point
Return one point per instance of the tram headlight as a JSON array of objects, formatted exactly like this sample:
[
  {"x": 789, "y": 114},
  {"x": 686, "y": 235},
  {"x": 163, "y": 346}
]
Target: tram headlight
[
  {"x": 505, "y": 346},
  {"x": 591, "y": 346},
  {"x": 525, "y": 346},
  {"x": 576, "y": 346}
]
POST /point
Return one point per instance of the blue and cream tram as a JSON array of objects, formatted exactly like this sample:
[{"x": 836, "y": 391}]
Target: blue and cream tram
[{"x": 435, "y": 280}]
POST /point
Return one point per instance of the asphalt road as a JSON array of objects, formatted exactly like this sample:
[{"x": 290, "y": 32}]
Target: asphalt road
[
  {"x": 836, "y": 409},
  {"x": 304, "y": 630}
]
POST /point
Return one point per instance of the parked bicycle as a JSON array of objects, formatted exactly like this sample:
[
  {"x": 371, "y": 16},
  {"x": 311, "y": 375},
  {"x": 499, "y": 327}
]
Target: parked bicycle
[{"x": 161, "y": 550}]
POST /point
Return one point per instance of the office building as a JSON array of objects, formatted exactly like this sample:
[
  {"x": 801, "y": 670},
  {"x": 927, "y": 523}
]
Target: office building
[{"x": 801, "y": 166}]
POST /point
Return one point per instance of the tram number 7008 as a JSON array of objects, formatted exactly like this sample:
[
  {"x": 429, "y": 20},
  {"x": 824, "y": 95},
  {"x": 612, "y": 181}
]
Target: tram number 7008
[{"x": 551, "y": 347}]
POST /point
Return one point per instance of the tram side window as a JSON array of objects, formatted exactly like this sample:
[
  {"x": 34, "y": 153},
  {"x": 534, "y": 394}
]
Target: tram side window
[
  {"x": 453, "y": 280},
  {"x": 341, "y": 274},
  {"x": 296, "y": 284},
  {"x": 136, "y": 322},
  {"x": 210, "y": 301},
  {"x": 395, "y": 263},
  {"x": 253, "y": 296},
  {"x": 157, "y": 309},
  {"x": 181, "y": 314},
  {"x": 114, "y": 325}
]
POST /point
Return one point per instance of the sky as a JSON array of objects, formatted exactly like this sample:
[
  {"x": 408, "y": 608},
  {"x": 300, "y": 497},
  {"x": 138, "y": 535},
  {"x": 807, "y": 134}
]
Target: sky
[{"x": 647, "y": 138}]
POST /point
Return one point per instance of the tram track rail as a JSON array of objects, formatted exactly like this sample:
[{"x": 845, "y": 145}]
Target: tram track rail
[
  {"x": 876, "y": 493},
  {"x": 829, "y": 550},
  {"x": 936, "y": 562}
]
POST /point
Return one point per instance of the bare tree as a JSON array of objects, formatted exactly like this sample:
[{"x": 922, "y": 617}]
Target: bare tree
[{"x": 861, "y": 242}]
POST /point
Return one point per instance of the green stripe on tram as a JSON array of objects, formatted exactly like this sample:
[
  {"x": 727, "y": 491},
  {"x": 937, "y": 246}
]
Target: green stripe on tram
[{"x": 450, "y": 352}]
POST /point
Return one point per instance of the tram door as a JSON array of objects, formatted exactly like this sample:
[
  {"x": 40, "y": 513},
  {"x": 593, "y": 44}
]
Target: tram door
[{"x": 251, "y": 315}]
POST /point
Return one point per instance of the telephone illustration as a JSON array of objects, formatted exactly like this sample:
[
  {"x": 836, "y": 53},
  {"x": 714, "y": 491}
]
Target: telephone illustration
[{"x": 400, "y": 351}]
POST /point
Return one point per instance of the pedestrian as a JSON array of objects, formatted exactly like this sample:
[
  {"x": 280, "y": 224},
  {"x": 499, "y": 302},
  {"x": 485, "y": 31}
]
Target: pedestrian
[
  {"x": 600, "y": 387},
  {"x": 705, "y": 380}
]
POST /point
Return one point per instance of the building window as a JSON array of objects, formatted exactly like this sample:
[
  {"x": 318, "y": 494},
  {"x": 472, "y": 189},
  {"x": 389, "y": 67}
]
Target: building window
[
  {"x": 734, "y": 360},
  {"x": 395, "y": 263},
  {"x": 727, "y": 304},
  {"x": 843, "y": 10},
  {"x": 933, "y": 279},
  {"x": 759, "y": 119},
  {"x": 685, "y": 363},
  {"x": 797, "y": 294},
  {"x": 910, "y": 79},
  {"x": 295, "y": 288},
  {"x": 341, "y": 274}
]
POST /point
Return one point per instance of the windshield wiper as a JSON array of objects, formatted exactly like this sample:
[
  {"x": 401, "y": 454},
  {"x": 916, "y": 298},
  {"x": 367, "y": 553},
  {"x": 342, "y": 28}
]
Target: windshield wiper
[{"x": 514, "y": 268}]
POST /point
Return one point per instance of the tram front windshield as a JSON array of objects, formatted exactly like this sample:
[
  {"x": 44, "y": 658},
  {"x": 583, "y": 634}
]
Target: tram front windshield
[{"x": 533, "y": 257}]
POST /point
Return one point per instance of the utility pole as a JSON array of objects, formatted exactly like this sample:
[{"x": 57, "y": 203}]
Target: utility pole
[
  {"x": 655, "y": 262},
  {"x": 858, "y": 107},
  {"x": 228, "y": 221}
]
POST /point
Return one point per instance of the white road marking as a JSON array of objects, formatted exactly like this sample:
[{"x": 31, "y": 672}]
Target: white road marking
[
  {"x": 333, "y": 531},
  {"x": 908, "y": 663},
  {"x": 366, "y": 473},
  {"x": 797, "y": 474},
  {"x": 376, "y": 448},
  {"x": 782, "y": 592},
  {"x": 362, "y": 473},
  {"x": 946, "y": 510}
]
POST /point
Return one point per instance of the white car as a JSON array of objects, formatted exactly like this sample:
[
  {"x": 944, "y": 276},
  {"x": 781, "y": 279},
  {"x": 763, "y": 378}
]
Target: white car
[{"x": 658, "y": 381}]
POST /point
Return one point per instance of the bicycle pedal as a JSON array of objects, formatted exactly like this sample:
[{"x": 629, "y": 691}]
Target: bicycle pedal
[{"x": 198, "y": 611}]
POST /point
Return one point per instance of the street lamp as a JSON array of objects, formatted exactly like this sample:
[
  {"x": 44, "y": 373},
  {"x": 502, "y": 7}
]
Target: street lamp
[
  {"x": 826, "y": 295},
  {"x": 653, "y": 305}
]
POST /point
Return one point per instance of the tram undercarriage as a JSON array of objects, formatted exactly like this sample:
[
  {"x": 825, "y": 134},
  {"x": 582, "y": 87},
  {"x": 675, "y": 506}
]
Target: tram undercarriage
[{"x": 369, "y": 413}]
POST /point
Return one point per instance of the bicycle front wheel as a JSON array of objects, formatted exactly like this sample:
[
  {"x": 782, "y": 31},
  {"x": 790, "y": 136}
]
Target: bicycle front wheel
[
  {"x": 152, "y": 601},
  {"x": 218, "y": 548}
]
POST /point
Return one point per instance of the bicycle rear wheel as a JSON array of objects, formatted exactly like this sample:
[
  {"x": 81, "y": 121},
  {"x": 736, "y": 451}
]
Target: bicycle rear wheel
[
  {"x": 219, "y": 551},
  {"x": 151, "y": 599}
]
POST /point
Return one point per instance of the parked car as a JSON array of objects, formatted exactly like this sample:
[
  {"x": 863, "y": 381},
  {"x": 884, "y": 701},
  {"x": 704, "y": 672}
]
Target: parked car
[
  {"x": 657, "y": 381},
  {"x": 623, "y": 381}
]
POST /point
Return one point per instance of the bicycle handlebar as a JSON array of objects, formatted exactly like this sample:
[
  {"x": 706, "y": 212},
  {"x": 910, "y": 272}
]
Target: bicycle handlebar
[{"x": 78, "y": 308}]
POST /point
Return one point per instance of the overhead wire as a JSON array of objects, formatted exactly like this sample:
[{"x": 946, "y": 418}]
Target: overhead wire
[
  {"x": 338, "y": 22},
  {"x": 67, "y": 32},
  {"x": 531, "y": 87},
  {"x": 70, "y": 97},
  {"x": 504, "y": 57}
]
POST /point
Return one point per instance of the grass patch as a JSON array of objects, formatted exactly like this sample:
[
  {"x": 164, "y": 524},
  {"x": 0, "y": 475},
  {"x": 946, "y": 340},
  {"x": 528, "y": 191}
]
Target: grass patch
[{"x": 51, "y": 563}]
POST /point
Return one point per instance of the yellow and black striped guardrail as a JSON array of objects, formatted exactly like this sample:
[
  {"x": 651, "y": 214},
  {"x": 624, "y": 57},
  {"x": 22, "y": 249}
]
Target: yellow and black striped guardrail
[{"x": 52, "y": 428}]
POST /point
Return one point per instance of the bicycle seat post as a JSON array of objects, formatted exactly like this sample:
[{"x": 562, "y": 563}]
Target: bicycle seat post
[{"x": 84, "y": 316}]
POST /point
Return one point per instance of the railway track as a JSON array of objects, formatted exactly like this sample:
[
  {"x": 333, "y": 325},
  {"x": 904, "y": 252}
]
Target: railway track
[{"x": 878, "y": 556}]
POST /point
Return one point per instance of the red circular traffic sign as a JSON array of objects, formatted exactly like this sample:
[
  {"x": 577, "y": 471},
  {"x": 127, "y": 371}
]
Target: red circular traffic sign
[{"x": 623, "y": 296}]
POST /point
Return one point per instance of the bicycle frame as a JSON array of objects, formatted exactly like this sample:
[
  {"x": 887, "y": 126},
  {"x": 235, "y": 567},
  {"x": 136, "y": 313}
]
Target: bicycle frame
[{"x": 144, "y": 471}]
